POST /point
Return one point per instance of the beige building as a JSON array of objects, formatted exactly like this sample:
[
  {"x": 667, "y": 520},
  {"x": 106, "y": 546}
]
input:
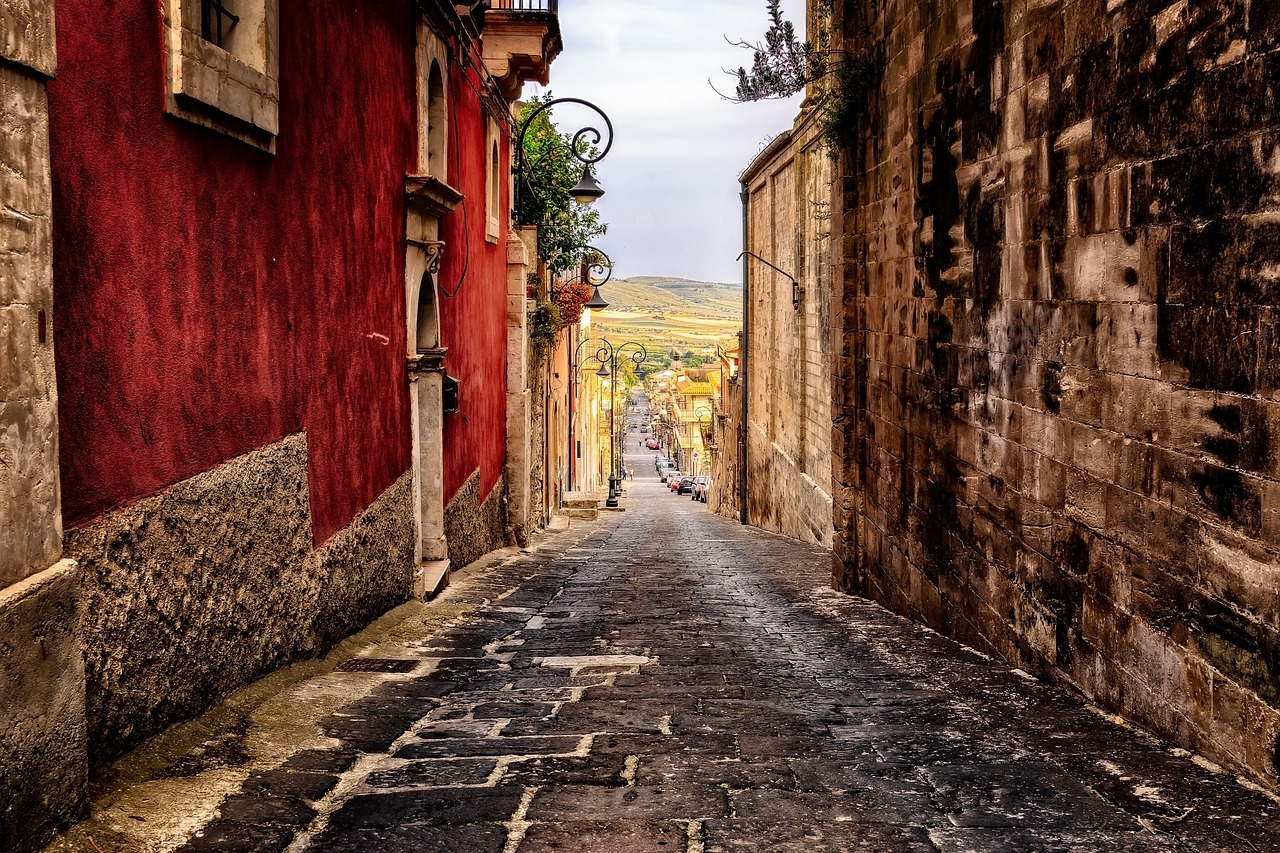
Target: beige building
[{"x": 787, "y": 366}]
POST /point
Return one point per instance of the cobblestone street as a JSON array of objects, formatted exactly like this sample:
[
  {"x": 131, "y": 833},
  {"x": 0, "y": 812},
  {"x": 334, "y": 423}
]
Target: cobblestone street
[{"x": 669, "y": 680}]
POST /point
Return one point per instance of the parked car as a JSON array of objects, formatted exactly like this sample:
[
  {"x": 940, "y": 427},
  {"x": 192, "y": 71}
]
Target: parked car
[
  {"x": 660, "y": 461},
  {"x": 701, "y": 486},
  {"x": 669, "y": 475},
  {"x": 684, "y": 486},
  {"x": 651, "y": 444}
]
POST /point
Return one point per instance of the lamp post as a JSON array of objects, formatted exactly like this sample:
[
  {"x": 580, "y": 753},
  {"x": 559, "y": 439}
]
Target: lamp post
[
  {"x": 639, "y": 357},
  {"x": 601, "y": 357},
  {"x": 587, "y": 189}
]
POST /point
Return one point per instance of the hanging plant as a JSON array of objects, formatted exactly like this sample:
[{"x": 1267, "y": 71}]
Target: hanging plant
[{"x": 571, "y": 299}]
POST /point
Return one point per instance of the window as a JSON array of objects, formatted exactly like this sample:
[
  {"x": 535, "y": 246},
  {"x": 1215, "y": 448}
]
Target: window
[
  {"x": 437, "y": 125},
  {"x": 215, "y": 20},
  {"x": 493, "y": 194},
  {"x": 223, "y": 67}
]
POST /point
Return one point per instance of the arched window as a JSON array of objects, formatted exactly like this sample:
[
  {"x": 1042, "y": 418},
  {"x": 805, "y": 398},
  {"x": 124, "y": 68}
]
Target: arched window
[
  {"x": 437, "y": 124},
  {"x": 493, "y": 200}
]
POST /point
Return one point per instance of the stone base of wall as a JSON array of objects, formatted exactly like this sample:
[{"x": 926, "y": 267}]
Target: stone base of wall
[
  {"x": 783, "y": 499},
  {"x": 474, "y": 527},
  {"x": 196, "y": 592},
  {"x": 43, "y": 765}
]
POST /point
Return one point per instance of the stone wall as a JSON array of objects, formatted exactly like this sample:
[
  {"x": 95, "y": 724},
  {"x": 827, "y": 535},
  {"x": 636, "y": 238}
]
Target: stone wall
[
  {"x": 788, "y": 341},
  {"x": 43, "y": 763},
  {"x": 474, "y": 524},
  {"x": 214, "y": 583},
  {"x": 1057, "y": 366}
]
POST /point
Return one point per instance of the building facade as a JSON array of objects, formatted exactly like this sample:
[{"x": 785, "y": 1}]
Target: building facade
[
  {"x": 1055, "y": 390},
  {"x": 788, "y": 344},
  {"x": 276, "y": 267}
]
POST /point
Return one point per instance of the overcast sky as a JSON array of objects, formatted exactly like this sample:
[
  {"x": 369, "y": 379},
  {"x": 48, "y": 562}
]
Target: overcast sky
[{"x": 671, "y": 180}]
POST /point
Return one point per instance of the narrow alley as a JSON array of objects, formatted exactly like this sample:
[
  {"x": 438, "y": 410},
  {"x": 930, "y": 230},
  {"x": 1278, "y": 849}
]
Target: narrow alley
[{"x": 666, "y": 679}]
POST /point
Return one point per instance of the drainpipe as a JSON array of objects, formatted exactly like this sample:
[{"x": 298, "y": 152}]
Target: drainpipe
[{"x": 742, "y": 356}]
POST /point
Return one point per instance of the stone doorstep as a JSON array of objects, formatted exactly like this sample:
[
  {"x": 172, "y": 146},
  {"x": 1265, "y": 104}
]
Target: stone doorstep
[
  {"x": 431, "y": 578},
  {"x": 583, "y": 514}
]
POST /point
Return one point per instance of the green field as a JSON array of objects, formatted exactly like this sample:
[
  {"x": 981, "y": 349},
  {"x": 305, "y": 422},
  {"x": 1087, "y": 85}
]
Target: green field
[{"x": 671, "y": 313}]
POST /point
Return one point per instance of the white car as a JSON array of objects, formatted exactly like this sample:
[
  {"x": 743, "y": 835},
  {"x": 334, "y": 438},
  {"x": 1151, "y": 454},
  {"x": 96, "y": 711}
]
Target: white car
[{"x": 668, "y": 474}]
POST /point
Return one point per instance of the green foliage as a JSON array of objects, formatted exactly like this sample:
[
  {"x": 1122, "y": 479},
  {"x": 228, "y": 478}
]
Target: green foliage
[
  {"x": 782, "y": 66},
  {"x": 564, "y": 226},
  {"x": 545, "y": 323}
]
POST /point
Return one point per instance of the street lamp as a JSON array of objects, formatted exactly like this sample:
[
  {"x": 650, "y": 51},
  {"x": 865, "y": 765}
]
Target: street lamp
[
  {"x": 600, "y": 265},
  {"x": 587, "y": 189}
]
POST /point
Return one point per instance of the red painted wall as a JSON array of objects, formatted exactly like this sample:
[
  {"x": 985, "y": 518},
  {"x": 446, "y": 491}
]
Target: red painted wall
[
  {"x": 212, "y": 298},
  {"x": 474, "y": 321}
]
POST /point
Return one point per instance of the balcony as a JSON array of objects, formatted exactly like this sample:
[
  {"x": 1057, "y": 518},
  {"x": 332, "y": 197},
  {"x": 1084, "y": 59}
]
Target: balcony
[{"x": 521, "y": 40}]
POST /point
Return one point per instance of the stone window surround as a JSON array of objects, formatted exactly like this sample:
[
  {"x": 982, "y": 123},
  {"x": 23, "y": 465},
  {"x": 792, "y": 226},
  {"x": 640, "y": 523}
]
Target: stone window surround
[
  {"x": 433, "y": 148},
  {"x": 493, "y": 181},
  {"x": 236, "y": 91}
]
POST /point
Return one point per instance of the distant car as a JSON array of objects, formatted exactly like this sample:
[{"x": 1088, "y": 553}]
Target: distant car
[
  {"x": 651, "y": 444},
  {"x": 669, "y": 475},
  {"x": 660, "y": 461},
  {"x": 701, "y": 486},
  {"x": 685, "y": 486}
]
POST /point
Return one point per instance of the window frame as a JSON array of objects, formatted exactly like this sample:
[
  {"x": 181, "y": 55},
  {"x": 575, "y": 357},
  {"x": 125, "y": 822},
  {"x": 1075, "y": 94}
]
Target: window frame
[{"x": 234, "y": 89}]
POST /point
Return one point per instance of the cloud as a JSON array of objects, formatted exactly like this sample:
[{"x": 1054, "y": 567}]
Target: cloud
[{"x": 672, "y": 177}]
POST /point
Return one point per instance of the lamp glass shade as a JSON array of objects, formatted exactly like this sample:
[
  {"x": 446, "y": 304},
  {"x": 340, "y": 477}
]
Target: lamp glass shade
[
  {"x": 603, "y": 371},
  {"x": 587, "y": 189},
  {"x": 596, "y": 301}
]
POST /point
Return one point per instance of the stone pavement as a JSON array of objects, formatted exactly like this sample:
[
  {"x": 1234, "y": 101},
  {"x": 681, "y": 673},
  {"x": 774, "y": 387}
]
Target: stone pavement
[{"x": 668, "y": 680}]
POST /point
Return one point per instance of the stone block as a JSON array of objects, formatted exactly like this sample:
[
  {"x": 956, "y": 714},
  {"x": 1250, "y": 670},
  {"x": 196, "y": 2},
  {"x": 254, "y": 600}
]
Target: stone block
[
  {"x": 43, "y": 753},
  {"x": 27, "y": 36}
]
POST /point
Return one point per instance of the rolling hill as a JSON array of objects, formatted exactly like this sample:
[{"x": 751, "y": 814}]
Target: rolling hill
[{"x": 671, "y": 313}]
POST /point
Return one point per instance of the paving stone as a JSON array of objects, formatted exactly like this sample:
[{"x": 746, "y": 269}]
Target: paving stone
[
  {"x": 366, "y": 733},
  {"x": 731, "y": 773},
  {"x": 656, "y": 801},
  {"x": 496, "y": 710},
  {"x": 803, "y": 835},
  {"x": 621, "y": 836},
  {"x": 448, "y": 748},
  {"x": 322, "y": 760},
  {"x": 290, "y": 783},
  {"x": 641, "y": 744},
  {"x": 434, "y": 807},
  {"x": 223, "y": 836},
  {"x": 433, "y": 772},
  {"x": 266, "y": 811},
  {"x": 1024, "y": 794},
  {"x": 1031, "y": 841},
  {"x": 413, "y": 838},
  {"x": 604, "y": 770}
]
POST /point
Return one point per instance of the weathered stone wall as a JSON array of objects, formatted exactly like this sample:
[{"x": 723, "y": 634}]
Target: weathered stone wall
[
  {"x": 43, "y": 764},
  {"x": 475, "y": 524},
  {"x": 212, "y": 584},
  {"x": 788, "y": 355},
  {"x": 1057, "y": 354},
  {"x": 30, "y": 514}
]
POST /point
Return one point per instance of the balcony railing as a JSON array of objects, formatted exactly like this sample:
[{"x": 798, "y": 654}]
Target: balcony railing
[{"x": 526, "y": 6}]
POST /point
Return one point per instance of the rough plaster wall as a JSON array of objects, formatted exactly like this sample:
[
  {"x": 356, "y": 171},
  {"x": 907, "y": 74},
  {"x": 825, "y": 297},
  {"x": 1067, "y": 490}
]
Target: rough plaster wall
[
  {"x": 212, "y": 584},
  {"x": 1058, "y": 353},
  {"x": 789, "y": 457},
  {"x": 472, "y": 526}
]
